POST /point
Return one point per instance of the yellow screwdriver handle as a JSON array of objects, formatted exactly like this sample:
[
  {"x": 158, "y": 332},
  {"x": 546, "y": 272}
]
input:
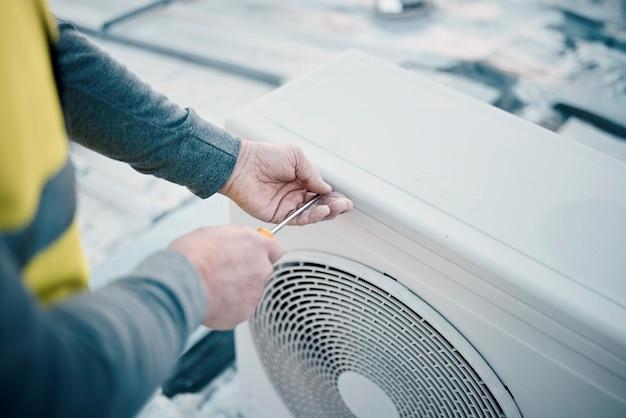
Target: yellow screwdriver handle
[{"x": 265, "y": 231}]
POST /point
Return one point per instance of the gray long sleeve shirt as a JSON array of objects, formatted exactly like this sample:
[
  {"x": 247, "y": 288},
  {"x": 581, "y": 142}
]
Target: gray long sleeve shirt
[{"x": 102, "y": 354}]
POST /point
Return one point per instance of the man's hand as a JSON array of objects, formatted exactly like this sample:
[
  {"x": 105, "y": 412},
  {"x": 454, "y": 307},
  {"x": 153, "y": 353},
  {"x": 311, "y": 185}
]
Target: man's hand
[
  {"x": 270, "y": 181},
  {"x": 234, "y": 263}
]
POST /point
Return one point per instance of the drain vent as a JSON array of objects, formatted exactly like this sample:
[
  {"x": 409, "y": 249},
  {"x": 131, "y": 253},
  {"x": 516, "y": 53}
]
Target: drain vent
[{"x": 323, "y": 316}]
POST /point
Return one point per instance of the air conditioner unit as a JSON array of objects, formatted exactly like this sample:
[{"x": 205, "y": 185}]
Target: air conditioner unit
[{"x": 482, "y": 272}]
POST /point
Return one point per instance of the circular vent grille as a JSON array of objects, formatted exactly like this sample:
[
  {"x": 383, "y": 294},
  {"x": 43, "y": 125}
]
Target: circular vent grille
[{"x": 322, "y": 316}]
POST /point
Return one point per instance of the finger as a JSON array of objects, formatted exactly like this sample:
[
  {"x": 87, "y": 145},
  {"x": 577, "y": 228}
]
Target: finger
[
  {"x": 308, "y": 175},
  {"x": 267, "y": 278},
  {"x": 311, "y": 216},
  {"x": 338, "y": 204},
  {"x": 329, "y": 198},
  {"x": 274, "y": 251},
  {"x": 270, "y": 245},
  {"x": 289, "y": 202},
  {"x": 337, "y": 207},
  {"x": 267, "y": 269}
]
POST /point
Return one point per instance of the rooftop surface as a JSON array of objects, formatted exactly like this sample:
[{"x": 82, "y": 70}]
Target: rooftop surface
[{"x": 558, "y": 63}]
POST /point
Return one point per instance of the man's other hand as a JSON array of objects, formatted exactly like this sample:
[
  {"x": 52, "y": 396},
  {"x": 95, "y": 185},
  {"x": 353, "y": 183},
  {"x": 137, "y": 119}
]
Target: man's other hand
[
  {"x": 269, "y": 181},
  {"x": 234, "y": 263}
]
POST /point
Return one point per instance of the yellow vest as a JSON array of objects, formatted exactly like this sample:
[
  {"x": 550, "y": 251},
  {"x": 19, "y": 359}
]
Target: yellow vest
[{"x": 37, "y": 193}]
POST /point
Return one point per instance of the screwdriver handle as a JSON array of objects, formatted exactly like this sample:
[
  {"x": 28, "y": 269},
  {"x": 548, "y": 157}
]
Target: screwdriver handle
[
  {"x": 296, "y": 212},
  {"x": 264, "y": 231}
]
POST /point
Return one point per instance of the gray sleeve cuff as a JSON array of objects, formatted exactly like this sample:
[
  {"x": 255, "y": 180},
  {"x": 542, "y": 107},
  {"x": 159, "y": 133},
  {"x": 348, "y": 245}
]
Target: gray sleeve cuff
[
  {"x": 174, "y": 270},
  {"x": 209, "y": 141}
]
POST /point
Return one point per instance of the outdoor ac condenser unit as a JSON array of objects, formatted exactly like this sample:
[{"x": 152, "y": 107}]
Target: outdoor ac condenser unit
[{"x": 482, "y": 272}]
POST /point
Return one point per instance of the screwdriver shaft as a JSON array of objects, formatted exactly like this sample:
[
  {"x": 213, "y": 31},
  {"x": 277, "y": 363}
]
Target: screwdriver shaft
[{"x": 294, "y": 214}]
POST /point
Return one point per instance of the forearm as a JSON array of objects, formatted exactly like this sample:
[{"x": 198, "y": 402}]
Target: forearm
[
  {"x": 99, "y": 354},
  {"x": 108, "y": 109}
]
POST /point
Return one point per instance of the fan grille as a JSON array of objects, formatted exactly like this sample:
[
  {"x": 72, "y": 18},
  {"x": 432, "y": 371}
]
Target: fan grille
[{"x": 322, "y": 315}]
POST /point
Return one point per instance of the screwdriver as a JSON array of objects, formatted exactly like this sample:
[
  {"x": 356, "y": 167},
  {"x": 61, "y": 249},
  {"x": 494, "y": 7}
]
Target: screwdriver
[{"x": 270, "y": 233}]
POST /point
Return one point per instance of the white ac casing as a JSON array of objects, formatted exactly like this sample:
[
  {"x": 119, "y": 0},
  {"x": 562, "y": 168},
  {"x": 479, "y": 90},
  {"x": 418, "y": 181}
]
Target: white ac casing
[{"x": 513, "y": 235}]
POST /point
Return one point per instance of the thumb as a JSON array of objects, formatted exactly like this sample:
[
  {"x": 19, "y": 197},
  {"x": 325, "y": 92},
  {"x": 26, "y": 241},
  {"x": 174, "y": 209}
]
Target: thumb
[{"x": 308, "y": 175}]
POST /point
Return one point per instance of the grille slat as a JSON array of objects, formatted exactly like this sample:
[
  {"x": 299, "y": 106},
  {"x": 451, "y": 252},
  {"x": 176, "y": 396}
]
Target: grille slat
[{"x": 321, "y": 316}]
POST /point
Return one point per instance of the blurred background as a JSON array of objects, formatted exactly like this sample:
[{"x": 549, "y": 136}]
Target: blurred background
[{"x": 558, "y": 63}]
